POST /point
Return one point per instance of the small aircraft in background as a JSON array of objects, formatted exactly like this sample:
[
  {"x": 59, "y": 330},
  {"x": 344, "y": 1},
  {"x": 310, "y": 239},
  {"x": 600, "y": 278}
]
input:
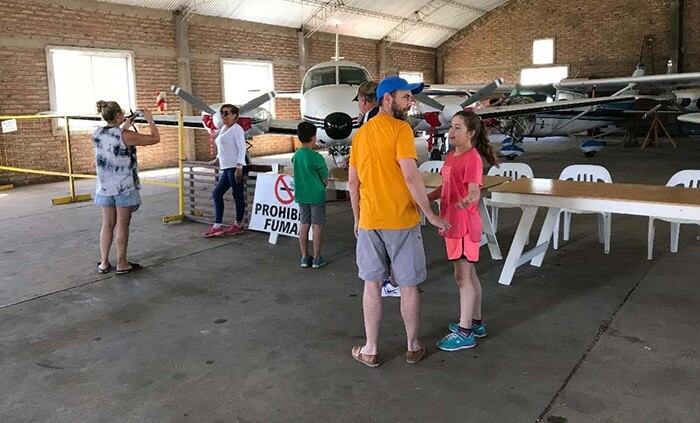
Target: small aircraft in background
[{"x": 674, "y": 90}]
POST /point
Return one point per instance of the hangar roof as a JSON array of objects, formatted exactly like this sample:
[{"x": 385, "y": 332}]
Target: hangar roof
[{"x": 417, "y": 22}]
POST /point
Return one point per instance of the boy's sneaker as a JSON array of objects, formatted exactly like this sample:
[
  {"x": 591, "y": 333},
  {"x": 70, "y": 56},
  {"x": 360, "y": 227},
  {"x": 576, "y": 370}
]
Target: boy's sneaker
[
  {"x": 214, "y": 231},
  {"x": 456, "y": 341},
  {"x": 234, "y": 230},
  {"x": 478, "y": 330},
  {"x": 305, "y": 262},
  {"x": 318, "y": 263},
  {"x": 389, "y": 290}
]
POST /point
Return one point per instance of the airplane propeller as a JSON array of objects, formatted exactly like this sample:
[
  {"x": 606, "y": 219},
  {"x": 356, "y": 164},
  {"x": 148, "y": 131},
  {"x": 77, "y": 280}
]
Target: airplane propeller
[
  {"x": 482, "y": 93},
  {"x": 195, "y": 102},
  {"x": 257, "y": 102}
]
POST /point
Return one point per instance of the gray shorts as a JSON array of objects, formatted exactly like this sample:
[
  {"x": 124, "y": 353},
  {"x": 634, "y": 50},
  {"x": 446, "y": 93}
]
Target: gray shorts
[
  {"x": 312, "y": 214},
  {"x": 383, "y": 250}
]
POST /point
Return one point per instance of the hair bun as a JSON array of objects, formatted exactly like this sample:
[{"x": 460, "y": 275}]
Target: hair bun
[{"x": 100, "y": 104}]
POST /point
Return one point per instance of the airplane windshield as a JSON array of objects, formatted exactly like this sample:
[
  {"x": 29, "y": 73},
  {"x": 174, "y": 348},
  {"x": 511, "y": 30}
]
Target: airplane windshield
[
  {"x": 320, "y": 76},
  {"x": 352, "y": 75}
]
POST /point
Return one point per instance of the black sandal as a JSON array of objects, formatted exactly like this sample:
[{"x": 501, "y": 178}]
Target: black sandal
[
  {"x": 103, "y": 271},
  {"x": 134, "y": 267}
]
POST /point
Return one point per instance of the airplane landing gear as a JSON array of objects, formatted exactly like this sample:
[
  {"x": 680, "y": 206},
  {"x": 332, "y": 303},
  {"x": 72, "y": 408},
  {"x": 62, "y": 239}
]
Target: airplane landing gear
[
  {"x": 592, "y": 146},
  {"x": 510, "y": 150},
  {"x": 440, "y": 148}
]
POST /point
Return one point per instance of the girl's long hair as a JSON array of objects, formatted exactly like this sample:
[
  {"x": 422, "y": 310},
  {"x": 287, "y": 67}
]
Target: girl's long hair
[{"x": 481, "y": 139}]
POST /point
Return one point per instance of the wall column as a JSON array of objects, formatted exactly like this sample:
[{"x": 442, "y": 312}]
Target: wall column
[{"x": 184, "y": 77}]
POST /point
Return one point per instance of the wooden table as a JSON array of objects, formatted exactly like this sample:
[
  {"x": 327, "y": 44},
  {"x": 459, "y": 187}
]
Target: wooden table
[{"x": 638, "y": 200}]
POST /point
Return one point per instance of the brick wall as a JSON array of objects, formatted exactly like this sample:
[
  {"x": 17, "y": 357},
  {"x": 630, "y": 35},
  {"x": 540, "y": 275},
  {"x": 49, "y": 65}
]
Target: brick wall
[
  {"x": 28, "y": 26},
  {"x": 596, "y": 39}
]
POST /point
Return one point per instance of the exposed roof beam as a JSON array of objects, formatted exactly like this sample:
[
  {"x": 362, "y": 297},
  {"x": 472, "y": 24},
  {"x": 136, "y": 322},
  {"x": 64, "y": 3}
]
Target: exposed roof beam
[
  {"x": 463, "y": 6},
  {"x": 320, "y": 16},
  {"x": 370, "y": 13},
  {"x": 429, "y": 9},
  {"x": 397, "y": 33}
]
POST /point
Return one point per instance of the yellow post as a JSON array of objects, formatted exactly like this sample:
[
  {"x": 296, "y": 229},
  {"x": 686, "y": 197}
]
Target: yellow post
[
  {"x": 69, "y": 156},
  {"x": 180, "y": 173},
  {"x": 181, "y": 161}
]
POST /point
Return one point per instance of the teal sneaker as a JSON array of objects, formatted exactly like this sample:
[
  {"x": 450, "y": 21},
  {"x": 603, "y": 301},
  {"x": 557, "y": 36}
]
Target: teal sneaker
[
  {"x": 305, "y": 262},
  {"x": 456, "y": 341},
  {"x": 478, "y": 330},
  {"x": 319, "y": 262}
]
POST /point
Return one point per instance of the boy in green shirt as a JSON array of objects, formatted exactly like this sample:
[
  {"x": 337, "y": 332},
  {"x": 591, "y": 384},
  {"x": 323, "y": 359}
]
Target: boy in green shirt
[{"x": 310, "y": 178}]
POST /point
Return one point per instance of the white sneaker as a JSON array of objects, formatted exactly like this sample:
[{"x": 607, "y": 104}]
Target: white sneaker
[{"x": 389, "y": 290}]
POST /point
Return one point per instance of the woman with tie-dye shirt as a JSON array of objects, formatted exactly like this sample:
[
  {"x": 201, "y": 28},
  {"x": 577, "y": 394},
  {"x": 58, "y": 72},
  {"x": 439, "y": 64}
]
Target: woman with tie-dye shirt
[{"x": 117, "y": 187}]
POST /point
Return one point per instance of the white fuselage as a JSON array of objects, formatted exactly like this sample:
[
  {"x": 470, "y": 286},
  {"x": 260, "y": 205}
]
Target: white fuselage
[{"x": 326, "y": 101}]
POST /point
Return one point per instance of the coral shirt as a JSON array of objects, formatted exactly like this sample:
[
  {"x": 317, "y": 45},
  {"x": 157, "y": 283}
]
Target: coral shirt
[{"x": 457, "y": 173}]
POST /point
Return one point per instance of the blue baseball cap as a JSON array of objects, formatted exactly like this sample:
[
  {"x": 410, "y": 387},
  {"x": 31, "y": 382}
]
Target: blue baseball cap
[{"x": 395, "y": 83}]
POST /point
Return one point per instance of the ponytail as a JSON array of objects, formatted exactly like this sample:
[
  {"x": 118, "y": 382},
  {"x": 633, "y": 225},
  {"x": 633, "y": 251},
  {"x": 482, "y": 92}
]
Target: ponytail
[{"x": 481, "y": 139}]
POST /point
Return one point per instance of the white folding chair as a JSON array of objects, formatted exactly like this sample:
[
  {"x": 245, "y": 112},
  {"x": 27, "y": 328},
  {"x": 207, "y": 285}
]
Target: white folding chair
[
  {"x": 513, "y": 171},
  {"x": 685, "y": 178},
  {"x": 585, "y": 173},
  {"x": 432, "y": 166}
]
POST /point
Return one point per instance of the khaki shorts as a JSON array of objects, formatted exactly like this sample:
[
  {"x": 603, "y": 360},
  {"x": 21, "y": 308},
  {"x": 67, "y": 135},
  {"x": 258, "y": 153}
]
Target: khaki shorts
[{"x": 382, "y": 250}]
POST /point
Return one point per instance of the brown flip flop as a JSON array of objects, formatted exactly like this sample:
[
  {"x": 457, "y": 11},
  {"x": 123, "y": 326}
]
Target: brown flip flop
[
  {"x": 366, "y": 359},
  {"x": 413, "y": 357}
]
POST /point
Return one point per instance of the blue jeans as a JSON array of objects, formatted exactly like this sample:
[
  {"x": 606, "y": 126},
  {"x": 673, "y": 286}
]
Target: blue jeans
[{"x": 227, "y": 179}]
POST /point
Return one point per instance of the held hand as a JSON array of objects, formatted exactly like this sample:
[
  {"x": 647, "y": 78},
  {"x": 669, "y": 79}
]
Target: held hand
[
  {"x": 356, "y": 229},
  {"x": 239, "y": 174},
  {"x": 148, "y": 115},
  {"x": 438, "y": 222},
  {"x": 467, "y": 201}
]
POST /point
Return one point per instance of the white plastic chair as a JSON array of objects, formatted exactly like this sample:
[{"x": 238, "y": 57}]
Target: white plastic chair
[
  {"x": 585, "y": 173},
  {"x": 513, "y": 171},
  {"x": 688, "y": 179},
  {"x": 432, "y": 166}
]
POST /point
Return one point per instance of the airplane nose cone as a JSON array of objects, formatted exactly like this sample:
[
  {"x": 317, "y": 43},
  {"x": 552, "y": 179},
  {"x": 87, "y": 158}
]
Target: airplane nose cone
[{"x": 338, "y": 125}]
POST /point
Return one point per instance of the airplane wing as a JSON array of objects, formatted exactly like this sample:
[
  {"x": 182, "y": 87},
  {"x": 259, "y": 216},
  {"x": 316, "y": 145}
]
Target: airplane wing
[
  {"x": 283, "y": 126},
  {"x": 463, "y": 90},
  {"x": 660, "y": 82},
  {"x": 690, "y": 117},
  {"x": 543, "y": 106}
]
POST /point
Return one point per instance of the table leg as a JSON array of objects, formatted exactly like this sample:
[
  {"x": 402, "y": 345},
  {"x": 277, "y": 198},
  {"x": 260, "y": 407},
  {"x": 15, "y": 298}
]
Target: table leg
[
  {"x": 516, "y": 248},
  {"x": 546, "y": 234},
  {"x": 489, "y": 232}
]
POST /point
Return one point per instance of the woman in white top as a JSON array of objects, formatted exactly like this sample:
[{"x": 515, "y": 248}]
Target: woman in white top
[
  {"x": 230, "y": 155},
  {"x": 117, "y": 187}
]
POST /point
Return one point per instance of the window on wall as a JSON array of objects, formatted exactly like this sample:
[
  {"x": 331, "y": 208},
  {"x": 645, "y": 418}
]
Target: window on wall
[
  {"x": 245, "y": 80},
  {"x": 541, "y": 76},
  {"x": 79, "y": 77},
  {"x": 543, "y": 51},
  {"x": 412, "y": 77}
]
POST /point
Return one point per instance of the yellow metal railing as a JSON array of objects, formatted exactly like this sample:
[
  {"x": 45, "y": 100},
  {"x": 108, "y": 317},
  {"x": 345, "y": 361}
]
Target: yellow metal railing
[{"x": 72, "y": 176}]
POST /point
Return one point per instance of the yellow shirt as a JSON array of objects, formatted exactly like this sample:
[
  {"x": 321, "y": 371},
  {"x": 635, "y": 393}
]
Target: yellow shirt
[{"x": 385, "y": 202}]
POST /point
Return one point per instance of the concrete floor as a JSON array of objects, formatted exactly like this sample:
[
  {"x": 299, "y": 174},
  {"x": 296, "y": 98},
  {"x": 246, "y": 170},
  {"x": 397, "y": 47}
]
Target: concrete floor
[{"x": 231, "y": 330}]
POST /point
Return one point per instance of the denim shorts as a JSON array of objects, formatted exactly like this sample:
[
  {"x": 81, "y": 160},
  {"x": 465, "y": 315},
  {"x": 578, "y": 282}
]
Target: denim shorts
[{"x": 125, "y": 199}]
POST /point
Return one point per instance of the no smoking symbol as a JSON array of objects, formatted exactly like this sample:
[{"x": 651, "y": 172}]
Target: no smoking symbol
[{"x": 283, "y": 192}]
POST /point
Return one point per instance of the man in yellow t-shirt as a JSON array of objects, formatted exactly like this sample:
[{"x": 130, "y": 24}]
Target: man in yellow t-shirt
[{"x": 386, "y": 191}]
